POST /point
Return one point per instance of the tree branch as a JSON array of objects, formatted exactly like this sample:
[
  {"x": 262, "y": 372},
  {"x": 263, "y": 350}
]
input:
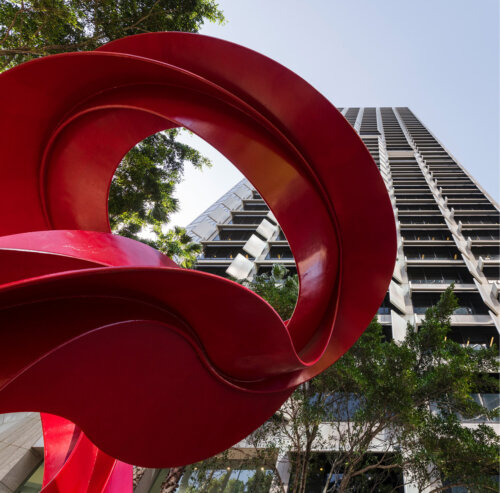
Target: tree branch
[
  {"x": 7, "y": 32},
  {"x": 142, "y": 19}
]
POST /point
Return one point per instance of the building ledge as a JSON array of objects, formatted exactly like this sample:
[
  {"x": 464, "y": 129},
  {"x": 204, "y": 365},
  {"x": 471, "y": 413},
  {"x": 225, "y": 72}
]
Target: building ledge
[
  {"x": 384, "y": 319},
  {"x": 223, "y": 242},
  {"x": 463, "y": 319},
  {"x": 284, "y": 261},
  {"x": 478, "y": 243},
  {"x": 212, "y": 261}
]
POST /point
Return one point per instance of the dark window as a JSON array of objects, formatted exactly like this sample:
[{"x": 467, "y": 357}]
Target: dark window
[
  {"x": 477, "y": 337},
  {"x": 351, "y": 115},
  {"x": 479, "y": 234},
  {"x": 426, "y": 235},
  {"x": 385, "y": 307},
  {"x": 480, "y": 207},
  {"x": 439, "y": 275},
  {"x": 319, "y": 471},
  {"x": 417, "y": 207},
  {"x": 469, "y": 303},
  {"x": 223, "y": 252},
  {"x": 247, "y": 219},
  {"x": 422, "y": 220},
  {"x": 234, "y": 234},
  {"x": 281, "y": 252},
  {"x": 387, "y": 331},
  {"x": 281, "y": 236},
  {"x": 493, "y": 219},
  {"x": 488, "y": 253},
  {"x": 255, "y": 206},
  {"x": 492, "y": 273},
  {"x": 432, "y": 253}
]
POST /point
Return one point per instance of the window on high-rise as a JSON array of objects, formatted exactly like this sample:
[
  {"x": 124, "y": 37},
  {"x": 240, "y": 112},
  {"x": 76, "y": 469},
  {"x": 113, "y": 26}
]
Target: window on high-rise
[
  {"x": 432, "y": 253},
  {"x": 439, "y": 275},
  {"x": 469, "y": 303}
]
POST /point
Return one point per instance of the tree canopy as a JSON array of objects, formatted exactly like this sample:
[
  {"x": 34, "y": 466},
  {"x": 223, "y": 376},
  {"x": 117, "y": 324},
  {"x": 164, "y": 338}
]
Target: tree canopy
[
  {"x": 141, "y": 196},
  {"x": 142, "y": 193},
  {"x": 30, "y": 29},
  {"x": 407, "y": 401},
  {"x": 278, "y": 288}
]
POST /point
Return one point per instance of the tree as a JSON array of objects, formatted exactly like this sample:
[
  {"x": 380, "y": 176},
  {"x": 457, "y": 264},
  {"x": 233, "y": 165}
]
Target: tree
[
  {"x": 142, "y": 194},
  {"x": 278, "y": 288},
  {"x": 214, "y": 476},
  {"x": 142, "y": 198},
  {"x": 34, "y": 28},
  {"x": 406, "y": 401}
]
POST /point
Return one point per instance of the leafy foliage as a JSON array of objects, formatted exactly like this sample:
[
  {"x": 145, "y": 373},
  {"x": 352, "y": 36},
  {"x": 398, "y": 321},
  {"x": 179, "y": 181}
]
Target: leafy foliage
[
  {"x": 279, "y": 289},
  {"x": 178, "y": 245},
  {"x": 141, "y": 194},
  {"x": 33, "y": 28},
  {"x": 408, "y": 399},
  {"x": 221, "y": 481}
]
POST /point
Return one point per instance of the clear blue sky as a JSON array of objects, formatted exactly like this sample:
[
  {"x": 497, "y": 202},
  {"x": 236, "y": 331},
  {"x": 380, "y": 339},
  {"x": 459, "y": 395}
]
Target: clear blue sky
[{"x": 438, "y": 57}]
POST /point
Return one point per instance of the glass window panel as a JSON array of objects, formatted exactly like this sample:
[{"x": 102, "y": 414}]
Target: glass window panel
[{"x": 491, "y": 401}]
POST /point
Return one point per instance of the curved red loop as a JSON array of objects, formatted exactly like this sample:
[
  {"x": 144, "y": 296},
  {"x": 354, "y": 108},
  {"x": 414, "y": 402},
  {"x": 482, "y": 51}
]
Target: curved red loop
[{"x": 89, "y": 319}]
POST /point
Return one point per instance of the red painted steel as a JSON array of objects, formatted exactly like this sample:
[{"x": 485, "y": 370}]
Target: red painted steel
[
  {"x": 73, "y": 463},
  {"x": 162, "y": 366}
]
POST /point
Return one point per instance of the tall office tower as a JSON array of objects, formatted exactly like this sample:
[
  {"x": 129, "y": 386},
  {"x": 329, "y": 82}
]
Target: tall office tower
[
  {"x": 448, "y": 231},
  {"x": 447, "y": 226}
]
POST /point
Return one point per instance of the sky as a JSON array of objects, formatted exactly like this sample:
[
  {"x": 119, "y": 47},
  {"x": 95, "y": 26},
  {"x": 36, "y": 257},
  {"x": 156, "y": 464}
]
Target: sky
[{"x": 438, "y": 57}]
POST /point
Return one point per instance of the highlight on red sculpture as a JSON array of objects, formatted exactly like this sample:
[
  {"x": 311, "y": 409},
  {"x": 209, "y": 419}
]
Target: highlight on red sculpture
[{"x": 87, "y": 317}]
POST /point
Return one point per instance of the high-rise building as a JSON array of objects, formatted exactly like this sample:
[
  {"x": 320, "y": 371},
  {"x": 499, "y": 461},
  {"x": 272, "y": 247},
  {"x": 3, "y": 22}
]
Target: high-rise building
[
  {"x": 447, "y": 224},
  {"x": 448, "y": 232}
]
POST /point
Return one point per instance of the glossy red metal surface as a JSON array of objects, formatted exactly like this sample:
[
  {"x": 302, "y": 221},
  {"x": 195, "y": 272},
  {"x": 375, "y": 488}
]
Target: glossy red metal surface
[
  {"x": 73, "y": 463},
  {"x": 156, "y": 365}
]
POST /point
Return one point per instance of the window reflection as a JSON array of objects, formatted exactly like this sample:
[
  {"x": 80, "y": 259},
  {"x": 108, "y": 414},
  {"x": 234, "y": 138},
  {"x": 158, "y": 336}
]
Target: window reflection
[
  {"x": 224, "y": 477},
  {"x": 34, "y": 482}
]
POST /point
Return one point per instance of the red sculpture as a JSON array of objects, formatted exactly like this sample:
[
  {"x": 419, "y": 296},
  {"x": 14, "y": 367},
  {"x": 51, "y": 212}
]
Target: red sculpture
[{"x": 102, "y": 330}]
